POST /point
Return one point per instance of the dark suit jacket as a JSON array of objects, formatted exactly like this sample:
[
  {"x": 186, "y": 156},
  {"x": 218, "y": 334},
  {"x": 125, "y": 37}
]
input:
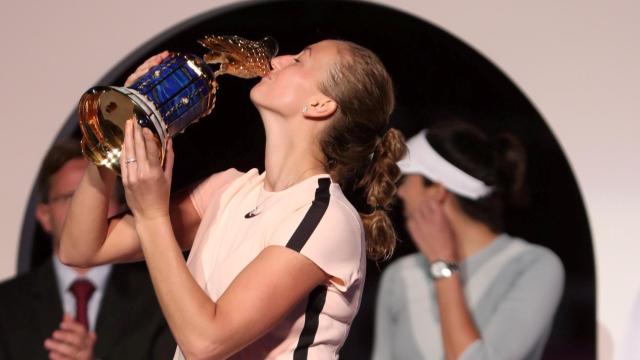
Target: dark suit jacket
[{"x": 130, "y": 324}]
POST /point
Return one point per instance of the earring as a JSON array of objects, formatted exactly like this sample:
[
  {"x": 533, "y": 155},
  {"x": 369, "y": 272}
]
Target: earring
[{"x": 304, "y": 109}]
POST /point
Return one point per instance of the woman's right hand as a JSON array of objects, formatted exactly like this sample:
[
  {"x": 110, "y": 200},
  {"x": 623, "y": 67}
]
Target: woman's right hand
[
  {"x": 148, "y": 64},
  {"x": 431, "y": 231},
  {"x": 146, "y": 183}
]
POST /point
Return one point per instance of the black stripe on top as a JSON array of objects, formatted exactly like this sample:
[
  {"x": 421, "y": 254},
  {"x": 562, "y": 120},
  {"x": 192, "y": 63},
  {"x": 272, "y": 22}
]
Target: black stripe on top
[
  {"x": 317, "y": 298},
  {"x": 312, "y": 217}
]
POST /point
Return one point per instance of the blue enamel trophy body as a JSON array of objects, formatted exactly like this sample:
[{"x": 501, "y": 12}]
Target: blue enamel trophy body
[{"x": 168, "y": 98}]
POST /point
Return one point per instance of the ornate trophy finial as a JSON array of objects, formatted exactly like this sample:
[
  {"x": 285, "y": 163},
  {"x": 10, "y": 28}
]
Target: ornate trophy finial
[
  {"x": 169, "y": 97},
  {"x": 240, "y": 57}
]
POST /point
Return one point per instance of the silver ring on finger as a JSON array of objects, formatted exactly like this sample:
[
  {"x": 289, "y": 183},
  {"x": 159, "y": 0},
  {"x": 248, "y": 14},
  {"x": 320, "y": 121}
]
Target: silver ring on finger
[{"x": 130, "y": 161}]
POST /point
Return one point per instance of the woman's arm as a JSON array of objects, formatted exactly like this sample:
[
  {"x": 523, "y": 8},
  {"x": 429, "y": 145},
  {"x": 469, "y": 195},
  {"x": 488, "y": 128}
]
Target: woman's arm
[
  {"x": 89, "y": 238},
  {"x": 267, "y": 289},
  {"x": 260, "y": 296},
  {"x": 432, "y": 234},
  {"x": 525, "y": 315},
  {"x": 458, "y": 328},
  {"x": 86, "y": 223},
  {"x": 521, "y": 318}
]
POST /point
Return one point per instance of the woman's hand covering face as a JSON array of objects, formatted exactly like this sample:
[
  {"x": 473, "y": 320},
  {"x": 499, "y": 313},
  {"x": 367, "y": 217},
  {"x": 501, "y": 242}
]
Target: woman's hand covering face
[{"x": 431, "y": 232}]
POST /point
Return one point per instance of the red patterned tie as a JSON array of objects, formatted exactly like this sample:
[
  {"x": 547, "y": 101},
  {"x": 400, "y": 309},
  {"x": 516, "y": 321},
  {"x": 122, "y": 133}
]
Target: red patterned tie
[{"x": 82, "y": 290}]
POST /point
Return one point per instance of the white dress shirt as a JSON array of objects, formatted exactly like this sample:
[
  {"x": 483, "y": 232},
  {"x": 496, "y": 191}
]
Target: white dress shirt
[{"x": 98, "y": 276}]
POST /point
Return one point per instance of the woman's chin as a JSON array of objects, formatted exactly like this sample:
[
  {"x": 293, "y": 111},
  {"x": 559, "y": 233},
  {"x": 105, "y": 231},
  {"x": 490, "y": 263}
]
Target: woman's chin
[
  {"x": 254, "y": 96},
  {"x": 260, "y": 96}
]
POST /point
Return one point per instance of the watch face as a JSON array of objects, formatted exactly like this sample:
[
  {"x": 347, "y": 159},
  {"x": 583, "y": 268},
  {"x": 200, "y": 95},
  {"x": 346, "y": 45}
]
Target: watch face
[{"x": 440, "y": 269}]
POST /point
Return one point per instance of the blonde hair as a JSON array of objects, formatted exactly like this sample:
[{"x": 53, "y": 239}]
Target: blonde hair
[{"x": 359, "y": 146}]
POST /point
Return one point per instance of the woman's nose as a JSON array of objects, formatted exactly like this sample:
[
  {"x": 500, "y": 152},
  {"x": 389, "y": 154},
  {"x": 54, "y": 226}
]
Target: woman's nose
[
  {"x": 279, "y": 62},
  {"x": 274, "y": 63}
]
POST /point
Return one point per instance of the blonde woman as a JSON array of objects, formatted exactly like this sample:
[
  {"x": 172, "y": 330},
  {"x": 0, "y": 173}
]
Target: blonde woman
[{"x": 277, "y": 259}]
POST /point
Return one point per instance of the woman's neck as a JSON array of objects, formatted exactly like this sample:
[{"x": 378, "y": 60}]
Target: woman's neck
[
  {"x": 471, "y": 236},
  {"x": 291, "y": 154}
]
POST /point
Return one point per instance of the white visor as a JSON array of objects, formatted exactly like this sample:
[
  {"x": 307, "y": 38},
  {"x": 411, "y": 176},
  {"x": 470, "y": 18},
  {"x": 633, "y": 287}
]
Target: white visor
[{"x": 423, "y": 160}]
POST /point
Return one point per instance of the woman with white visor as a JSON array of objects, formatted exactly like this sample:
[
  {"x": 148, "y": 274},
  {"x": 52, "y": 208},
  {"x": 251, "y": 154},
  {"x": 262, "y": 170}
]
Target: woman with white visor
[{"x": 472, "y": 291}]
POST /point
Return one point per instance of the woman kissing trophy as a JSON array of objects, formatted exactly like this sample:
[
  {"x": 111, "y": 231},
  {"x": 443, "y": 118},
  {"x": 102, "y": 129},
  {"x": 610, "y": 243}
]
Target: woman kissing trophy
[{"x": 169, "y": 97}]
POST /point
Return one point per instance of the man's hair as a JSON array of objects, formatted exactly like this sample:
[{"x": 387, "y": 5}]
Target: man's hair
[{"x": 58, "y": 155}]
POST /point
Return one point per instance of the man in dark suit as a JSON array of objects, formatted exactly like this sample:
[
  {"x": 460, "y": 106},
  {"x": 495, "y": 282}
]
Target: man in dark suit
[{"x": 61, "y": 312}]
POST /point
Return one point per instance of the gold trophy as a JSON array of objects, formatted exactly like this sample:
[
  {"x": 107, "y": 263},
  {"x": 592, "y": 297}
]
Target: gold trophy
[{"x": 169, "y": 97}]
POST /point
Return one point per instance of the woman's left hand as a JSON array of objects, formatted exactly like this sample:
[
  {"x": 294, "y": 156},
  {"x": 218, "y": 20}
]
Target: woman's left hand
[
  {"x": 145, "y": 66},
  {"x": 431, "y": 232},
  {"x": 147, "y": 185}
]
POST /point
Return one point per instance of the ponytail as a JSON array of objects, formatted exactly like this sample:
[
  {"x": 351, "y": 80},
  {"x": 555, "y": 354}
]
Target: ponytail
[
  {"x": 354, "y": 150},
  {"x": 511, "y": 168},
  {"x": 379, "y": 184}
]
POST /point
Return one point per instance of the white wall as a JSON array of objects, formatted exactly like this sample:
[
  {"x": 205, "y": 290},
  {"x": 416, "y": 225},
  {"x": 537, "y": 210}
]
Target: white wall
[{"x": 577, "y": 61}]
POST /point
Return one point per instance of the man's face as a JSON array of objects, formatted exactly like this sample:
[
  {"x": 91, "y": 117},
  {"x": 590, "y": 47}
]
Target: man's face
[{"x": 63, "y": 184}]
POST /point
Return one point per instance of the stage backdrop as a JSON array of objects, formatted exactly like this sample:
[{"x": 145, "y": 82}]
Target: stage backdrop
[{"x": 576, "y": 62}]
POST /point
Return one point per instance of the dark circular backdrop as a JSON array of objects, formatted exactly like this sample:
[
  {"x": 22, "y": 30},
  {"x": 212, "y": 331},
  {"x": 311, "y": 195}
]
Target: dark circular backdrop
[{"x": 434, "y": 74}]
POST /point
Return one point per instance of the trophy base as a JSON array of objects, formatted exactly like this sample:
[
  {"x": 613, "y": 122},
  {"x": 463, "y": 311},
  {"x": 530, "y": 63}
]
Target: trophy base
[{"x": 103, "y": 112}]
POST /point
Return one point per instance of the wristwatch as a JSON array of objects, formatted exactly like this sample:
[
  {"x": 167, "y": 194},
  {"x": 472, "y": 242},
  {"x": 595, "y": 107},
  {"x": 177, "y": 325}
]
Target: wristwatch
[{"x": 440, "y": 269}]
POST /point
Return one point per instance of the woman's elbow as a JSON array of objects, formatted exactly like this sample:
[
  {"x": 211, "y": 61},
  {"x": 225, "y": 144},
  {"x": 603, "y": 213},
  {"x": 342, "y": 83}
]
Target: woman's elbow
[
  {"x": 203, "y": 352},
  {"x": 204, "y": 348},
  {"x": 70, "y": 260},
  {"x": 68, "y": 257}
]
